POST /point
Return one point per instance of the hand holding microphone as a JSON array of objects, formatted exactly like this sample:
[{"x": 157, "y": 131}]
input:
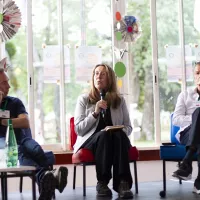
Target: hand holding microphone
[{"x": 101, "y": 105}]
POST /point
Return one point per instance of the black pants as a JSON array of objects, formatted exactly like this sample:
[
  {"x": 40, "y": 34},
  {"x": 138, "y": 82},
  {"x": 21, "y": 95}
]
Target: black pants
[
  {"x": 111, "y": 149},
  {"x": 190, "y": 136}
]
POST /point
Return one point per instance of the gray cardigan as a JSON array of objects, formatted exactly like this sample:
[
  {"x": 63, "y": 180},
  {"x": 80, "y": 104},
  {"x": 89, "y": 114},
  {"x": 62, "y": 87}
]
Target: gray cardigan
[{"x": 86, "y": 124}]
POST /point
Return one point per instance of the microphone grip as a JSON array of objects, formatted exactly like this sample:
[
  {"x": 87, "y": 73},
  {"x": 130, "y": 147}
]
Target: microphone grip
[
  {"x": 102, "y": 96},
  {"x": 103, "y": 111}
]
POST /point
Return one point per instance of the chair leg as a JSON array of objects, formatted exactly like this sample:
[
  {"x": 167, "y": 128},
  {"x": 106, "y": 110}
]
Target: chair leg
[
  {"x": 33, "y": 185},
  {"x": 135, "y": 174},
  {"x": 163, "y": 192},
  {"x": 74, "y": 177},
  {"x": 2, "y": 186},
  {"x": 179, "y": 163},
  {"x": 164, "y": 176},
  {"x": 84, "y": 180},
  {"x": 20, "y": 184}
]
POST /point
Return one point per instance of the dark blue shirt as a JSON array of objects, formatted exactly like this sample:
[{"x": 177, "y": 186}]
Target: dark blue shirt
[{"x": 16, "y": 107}]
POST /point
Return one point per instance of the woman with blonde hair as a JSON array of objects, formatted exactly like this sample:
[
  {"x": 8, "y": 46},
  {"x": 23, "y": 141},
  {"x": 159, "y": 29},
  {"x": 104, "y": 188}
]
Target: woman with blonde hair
[{"x": 102, "y": 107}]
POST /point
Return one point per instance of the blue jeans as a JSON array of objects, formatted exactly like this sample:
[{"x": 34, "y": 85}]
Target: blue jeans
[{"x": 31, "y": 154}]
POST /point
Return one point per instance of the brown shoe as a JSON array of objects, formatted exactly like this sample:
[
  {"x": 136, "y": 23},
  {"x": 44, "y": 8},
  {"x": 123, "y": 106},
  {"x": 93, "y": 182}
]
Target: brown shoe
[{"x": 124, "y": 191}]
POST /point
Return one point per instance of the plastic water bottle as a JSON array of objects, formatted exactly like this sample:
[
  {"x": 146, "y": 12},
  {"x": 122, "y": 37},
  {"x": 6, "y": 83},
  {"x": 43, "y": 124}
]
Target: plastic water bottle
[{"x": 11, "y": 146}]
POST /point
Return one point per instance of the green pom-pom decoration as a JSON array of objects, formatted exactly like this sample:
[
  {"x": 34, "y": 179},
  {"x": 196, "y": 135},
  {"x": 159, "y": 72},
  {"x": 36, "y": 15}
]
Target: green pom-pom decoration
[
  {"x": 120, "y": 69},
  {"x": 118, "y": 36}
]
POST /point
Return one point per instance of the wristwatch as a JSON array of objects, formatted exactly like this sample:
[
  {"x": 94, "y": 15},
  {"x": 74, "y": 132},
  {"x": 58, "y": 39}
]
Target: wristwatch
[{"x": 95, "y": 115}]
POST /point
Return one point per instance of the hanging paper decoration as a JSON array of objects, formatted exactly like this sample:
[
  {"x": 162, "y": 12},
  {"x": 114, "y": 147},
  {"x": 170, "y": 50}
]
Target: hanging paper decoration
[
  {"x": 3, "y": 66},
  {"x": 129, "y": 28},
  {"x": 119, "y": 53},
  {"x": 118, "y": 16},
  {"x": 120, "y": 69},
  {"x": 119, "y": 83},
  {"x": 10, "y": 19},
  {"x": 118, "y": 34}
]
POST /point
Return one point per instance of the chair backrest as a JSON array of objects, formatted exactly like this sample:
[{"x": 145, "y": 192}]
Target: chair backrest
[
  {"x": 73, "y": 135},
  {"x": 173, "y": 131}
]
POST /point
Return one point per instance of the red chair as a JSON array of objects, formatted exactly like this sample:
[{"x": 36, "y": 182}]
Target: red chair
[{"x": 85, "y": 157}]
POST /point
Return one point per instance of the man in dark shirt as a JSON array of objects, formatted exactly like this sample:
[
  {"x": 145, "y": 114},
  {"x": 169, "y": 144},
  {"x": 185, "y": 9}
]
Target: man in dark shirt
[{"x": 30, "y": 152}]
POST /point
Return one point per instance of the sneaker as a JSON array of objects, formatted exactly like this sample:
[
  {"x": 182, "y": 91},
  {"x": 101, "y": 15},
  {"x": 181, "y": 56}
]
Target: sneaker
[
  {"x": 196, "y": 188},
  {"x": 124, "y": 190},
  {"x": 60, "y": 175},
  {"x": 47, "y": 186},
  {"x": 184, "y": 172},
  {"x": 103, "y": 190}
]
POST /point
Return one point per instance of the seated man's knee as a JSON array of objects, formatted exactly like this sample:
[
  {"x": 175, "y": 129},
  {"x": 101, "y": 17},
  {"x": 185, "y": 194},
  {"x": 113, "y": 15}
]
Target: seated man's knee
[{"x": 32, "y": 147}]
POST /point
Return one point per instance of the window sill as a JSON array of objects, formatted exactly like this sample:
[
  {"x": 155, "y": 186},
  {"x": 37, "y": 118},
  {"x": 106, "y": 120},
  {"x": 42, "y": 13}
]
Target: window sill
[{"x": 145, "y": 154}]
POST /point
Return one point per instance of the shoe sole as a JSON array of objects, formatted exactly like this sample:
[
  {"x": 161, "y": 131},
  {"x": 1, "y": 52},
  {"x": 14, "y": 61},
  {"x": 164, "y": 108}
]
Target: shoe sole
[
  {"x": 108, "y": 194},
  {"x": 195, "y": 190},
  {"x": 183, "y": 177},
  {"x": 47, "y": 186},
  {"x": 126, "y": 196},
  {"x": 62, "y": 178},
  {"x": 104, "y": 195}
]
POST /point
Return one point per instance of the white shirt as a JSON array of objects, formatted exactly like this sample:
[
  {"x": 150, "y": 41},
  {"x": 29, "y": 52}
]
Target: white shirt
[{"x": 187, "y": 102}]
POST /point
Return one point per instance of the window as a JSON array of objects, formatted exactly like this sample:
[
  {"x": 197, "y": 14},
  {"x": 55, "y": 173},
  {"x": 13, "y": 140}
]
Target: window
[{"x": 83, "y": 34}]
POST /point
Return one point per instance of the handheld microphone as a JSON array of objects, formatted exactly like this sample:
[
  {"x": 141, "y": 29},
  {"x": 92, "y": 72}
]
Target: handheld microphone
[{"x": 102, "y": 95}]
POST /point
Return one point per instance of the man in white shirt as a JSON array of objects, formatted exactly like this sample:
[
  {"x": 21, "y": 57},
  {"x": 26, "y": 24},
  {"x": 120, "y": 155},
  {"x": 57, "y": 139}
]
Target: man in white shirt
[{"x": 187, "y": 117}]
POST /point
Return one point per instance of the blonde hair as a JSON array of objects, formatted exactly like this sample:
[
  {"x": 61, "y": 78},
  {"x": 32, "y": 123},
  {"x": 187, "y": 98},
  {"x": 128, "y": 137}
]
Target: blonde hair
[{"x": 112, "y": 95}]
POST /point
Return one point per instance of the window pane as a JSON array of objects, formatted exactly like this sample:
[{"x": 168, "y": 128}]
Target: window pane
[
  {"x": 46, "y": 63},
  {"x": 88, "y": 35},
  {"x": 16, "y": 53},
  {"x": 191, "y": 30},
  {"x": 16, "y": 58},
  {"x": 168, "y": 60},
  {"x": 141, "y": 81}
]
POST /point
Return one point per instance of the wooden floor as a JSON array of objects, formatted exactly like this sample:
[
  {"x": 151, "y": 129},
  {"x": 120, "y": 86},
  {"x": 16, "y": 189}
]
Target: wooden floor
[{"x": 147, "y": 191}]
